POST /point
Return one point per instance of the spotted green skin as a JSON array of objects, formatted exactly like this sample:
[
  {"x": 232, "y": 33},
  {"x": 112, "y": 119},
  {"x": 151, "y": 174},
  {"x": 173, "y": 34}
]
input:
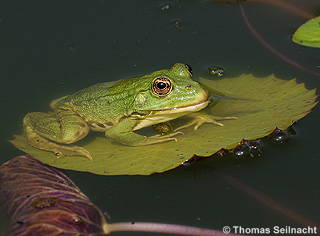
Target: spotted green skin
[{"x": 116, "y": 108}]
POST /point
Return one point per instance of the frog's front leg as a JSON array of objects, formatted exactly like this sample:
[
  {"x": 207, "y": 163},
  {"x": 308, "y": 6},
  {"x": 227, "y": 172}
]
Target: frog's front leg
[
  {"x": 199, "y": 119},
  {"x": 123, "y": 133},
  {"x": 49, "y": 131}
]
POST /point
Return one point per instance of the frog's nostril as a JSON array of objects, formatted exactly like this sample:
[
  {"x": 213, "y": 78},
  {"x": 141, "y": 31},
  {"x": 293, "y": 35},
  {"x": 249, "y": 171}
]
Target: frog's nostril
[{"x": 189, "y": 86}]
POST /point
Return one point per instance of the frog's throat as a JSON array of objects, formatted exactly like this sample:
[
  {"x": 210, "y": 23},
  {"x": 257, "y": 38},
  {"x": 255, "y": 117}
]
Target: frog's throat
[{"x": 190, "y": 108}]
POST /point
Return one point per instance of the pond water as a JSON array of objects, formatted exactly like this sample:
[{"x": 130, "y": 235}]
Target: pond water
[{"x": 49, "y": 49}]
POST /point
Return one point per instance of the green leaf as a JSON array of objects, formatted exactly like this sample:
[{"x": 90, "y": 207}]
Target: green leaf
[
  {"x": 261, "y": 105},
  {"x": 308, "y": 34}
]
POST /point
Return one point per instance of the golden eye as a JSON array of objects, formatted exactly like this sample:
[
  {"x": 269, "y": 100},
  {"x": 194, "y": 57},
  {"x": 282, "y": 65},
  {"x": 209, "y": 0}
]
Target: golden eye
[{"x": 162, "y": 86}]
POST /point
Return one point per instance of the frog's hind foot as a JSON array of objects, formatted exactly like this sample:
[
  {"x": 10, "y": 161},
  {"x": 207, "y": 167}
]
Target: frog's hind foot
[
  {"x": 72, "y": 151},
  {"x": 59, "y": 150}
]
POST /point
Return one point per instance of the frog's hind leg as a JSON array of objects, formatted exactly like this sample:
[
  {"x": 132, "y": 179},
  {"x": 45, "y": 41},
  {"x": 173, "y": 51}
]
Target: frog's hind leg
[{"x": 49, "y": 131}]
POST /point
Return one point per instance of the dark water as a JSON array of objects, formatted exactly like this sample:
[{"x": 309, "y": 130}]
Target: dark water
[{"x": 52, "y": 48}]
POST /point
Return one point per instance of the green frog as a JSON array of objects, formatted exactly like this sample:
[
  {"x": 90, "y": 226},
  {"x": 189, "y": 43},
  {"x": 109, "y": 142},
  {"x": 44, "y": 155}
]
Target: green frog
[{"x": 118, "y": 109}]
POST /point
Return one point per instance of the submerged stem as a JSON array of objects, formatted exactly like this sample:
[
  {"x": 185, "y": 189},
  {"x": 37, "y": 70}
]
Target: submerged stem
[
  {"x": 288, "y": 7},
  {"x": 269, "y": 47},
  {"x": 164, "y": 228}
]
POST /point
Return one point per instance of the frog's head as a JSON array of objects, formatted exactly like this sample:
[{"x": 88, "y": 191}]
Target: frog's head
[{"x": 170, "y": 91}]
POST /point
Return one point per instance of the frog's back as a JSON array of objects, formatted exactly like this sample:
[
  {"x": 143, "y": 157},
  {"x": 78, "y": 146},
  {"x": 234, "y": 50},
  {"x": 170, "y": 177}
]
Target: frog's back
[
  {"x": 90, "y": 93},
  {"x": 101, "y": 102},
  {"x": 86, "y": 94}
]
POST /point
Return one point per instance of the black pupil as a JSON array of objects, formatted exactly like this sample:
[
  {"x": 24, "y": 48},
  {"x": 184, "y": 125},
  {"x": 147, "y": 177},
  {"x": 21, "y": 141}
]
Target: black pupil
[{"x": 161, "y": 85}]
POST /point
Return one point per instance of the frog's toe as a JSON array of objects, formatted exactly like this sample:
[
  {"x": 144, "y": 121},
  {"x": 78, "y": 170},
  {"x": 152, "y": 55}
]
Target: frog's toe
[
  {"x": 210, "y": 121},
  {"x": 72, "y": 151},
  {"x": 230, "y": 118},
  {"x": 166, "y": 139},
  {"x": 171, "y": 139},
  {"x": 169, "y": 135},
  {"x": 86, "y": 154},
  {"x": 158, "y": 138},
  {"x": 224, "y": 117},
  {"x": 83, "y": 152}
]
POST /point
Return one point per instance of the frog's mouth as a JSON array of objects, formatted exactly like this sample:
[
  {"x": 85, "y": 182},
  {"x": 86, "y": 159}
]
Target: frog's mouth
[
  {"x": 158, "y": 116},
  {"x": 199, "y": 104}
]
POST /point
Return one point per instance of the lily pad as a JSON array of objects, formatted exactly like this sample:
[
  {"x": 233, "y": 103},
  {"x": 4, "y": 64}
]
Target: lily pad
[
  {"x": 308, "y": 34},
  {"x": 261, "y": 105}
]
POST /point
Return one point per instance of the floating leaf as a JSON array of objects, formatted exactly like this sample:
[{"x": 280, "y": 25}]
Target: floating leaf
[
  {"x": 261, "y": 105},
  {"x": 308, "y": 34},
  {"x": 41, "y": 200}
]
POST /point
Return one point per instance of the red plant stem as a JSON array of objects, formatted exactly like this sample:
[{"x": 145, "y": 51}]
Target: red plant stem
[
  {"x": 269, "y": 47},
  {"x": 288, "y": 7},
  {"x": 269, "y": 202},
  {"x": 165, "y": 228}
]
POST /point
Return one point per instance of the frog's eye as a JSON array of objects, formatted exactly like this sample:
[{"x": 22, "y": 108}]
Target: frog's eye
[
  {"x": 161, "y": 86},
  {"x": 189, "y": 68}
]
